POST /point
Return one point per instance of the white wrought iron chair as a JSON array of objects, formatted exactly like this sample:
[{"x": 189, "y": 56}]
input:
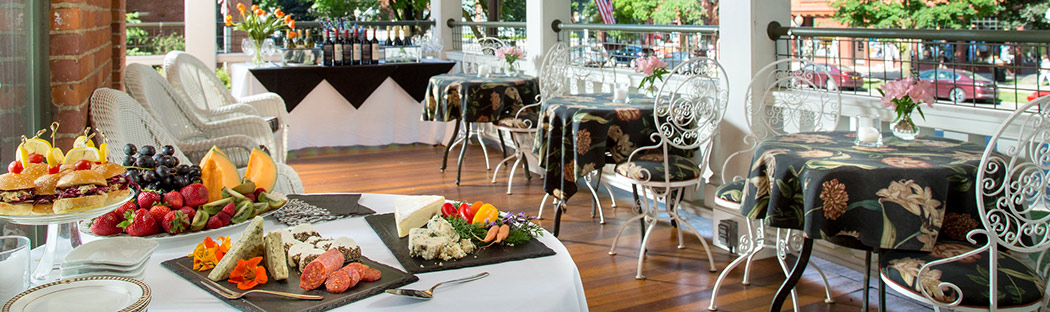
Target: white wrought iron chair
[
  {"x": 175, "y": 113},
  {"x": 579, "y": 70},
  {"x": 483, "y": 53},
  {"x": 687, "y": 114},
  {"x": 783, "y": 103},
  {"x": 213, "y": 101},
  {"x": 124, "y": 120},
  {"x": 1011, "y": 239}
]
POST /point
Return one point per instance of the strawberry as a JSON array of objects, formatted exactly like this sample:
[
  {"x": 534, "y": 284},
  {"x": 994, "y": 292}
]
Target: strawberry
[
  {"x": 106, "y": 225},
  {"x": 188, "y": 211},
  {"x": 142, "y": 224},
  {"x": 230, "y": 209},
  {"x": 250, "y": 197},
  {"x": 194, "y": 195},
  {"x": 174, "y": 199},
  {"x": 214, "y": 222},
  {"x": 159, "y": 211},
  {"x": 120, "y": 212},
  {"x": 146, "y": 199},
  {"x": 175, "y": 222},
  {"x": 225, "y": 218}
]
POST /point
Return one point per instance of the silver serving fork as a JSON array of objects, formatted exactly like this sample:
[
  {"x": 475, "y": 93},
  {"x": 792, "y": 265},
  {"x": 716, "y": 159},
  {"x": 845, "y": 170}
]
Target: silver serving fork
[
  {"x": 429, "y": 293},
  {"x": 229, "y": 294}
]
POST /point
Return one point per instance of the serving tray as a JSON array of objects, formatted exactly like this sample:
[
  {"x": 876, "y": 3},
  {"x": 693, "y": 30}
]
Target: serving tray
[{"x": 385, "y": 227}]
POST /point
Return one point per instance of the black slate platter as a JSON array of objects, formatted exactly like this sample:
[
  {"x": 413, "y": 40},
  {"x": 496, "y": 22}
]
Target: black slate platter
[
  {"x": 337, "y": 204},
  {"x": 384, "y": 226},
  {"x": 392, "y": 278}
]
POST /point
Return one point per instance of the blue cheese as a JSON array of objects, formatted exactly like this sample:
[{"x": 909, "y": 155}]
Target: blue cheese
[
  {"x": 438, "y": 241},
  {"x": 425, "y": 243}
]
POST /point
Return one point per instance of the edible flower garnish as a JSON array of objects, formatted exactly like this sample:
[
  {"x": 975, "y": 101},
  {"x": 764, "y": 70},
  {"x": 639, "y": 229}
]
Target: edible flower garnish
[
  {"x": 247, "y": 274},
  {"x": 208, "y": 253}
]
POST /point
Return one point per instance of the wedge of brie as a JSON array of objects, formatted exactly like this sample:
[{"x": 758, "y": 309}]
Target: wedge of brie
[{"x": 414, "y": 211}]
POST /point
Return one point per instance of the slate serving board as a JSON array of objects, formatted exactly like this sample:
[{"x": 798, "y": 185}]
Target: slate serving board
[
  {"x": 338, "y": 204},
  {"x": 392, "y": 278},
  {"x": 385, "y": 227}
]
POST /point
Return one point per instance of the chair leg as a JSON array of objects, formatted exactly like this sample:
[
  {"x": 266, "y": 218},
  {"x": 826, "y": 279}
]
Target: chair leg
[
  {"x": 637, "y": 204},
  {"x": 455, "y": 134},
  {"x": 510, "y": 177},
  {"x": 710, "y": 257},
  {"x": 463, "y": 152},
  {"x": 782, "y": 252},
  {"x": 539, "y": 215},
  {"x": 641, "y": 249},
  {"x": 640, "y": 216},
  {"x": 484, "y": 150},
  {"x": 612, "y": 198},
  {"x": 759, "y": 237},
  {"x": 867, "y": 280},
  {"x": 827, "y": 286},
  {"x": 601, "y": 216},
  {"x": 557, "y": 216},
  {"x": 495, "y": 173},
  {"x": 725, "y": 272}
]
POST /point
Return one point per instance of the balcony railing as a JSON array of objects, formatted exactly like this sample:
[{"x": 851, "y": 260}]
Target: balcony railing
[
  {"x": 465, "y": 35},
  {"x": 673, "y": 43},
  {"x": 982, "y": 69}
]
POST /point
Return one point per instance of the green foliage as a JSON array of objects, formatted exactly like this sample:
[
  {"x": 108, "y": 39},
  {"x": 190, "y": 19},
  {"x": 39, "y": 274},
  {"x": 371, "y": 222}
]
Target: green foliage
[
  {"x": 340, "y": 8},
  {"x": 139, "y": 42},
  {"x": 658, "y": 12},
  {"x": 299, "y": 9},
  {"x": 1030, "y": 14},
  {"x": 955, "y": 14},
  {"x": 223, "y": 76}
]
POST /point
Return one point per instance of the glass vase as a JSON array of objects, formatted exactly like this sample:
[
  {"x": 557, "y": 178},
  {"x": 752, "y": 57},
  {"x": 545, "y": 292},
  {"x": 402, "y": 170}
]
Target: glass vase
[
  {"x": 253, "y": 48},
  {"x": 904, "y": 128},
  {"x": 650, "y": 91},
  {"x": 511, "y": 69}
]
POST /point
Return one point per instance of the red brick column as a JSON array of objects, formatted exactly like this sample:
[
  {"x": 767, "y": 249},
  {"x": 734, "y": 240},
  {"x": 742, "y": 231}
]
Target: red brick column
[{"x": 85, "y": 54}]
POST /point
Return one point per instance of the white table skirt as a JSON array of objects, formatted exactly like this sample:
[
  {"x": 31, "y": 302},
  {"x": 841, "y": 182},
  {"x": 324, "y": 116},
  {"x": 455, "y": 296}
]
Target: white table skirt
[
  {"x": 325, "y": 118},
  {"x": 539, "y": 284}
]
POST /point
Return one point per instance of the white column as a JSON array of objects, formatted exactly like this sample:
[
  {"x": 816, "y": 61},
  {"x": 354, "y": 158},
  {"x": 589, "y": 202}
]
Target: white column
[
  {"x": 441, "y": 11},
  {"x": 539, "y": 15},
  {"x": 200, "y": 30}
]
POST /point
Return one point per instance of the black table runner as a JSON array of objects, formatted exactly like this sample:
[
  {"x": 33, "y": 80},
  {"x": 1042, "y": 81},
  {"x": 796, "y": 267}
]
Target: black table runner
[{"x": 355, "y": 83}]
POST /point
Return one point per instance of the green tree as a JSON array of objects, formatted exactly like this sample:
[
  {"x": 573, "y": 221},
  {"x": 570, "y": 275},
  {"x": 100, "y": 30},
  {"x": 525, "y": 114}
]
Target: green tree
[
  {"x": 955, "y": 14},
  {"x": 659, "y": 11},
  {"x": 1030, "y": 14},
  {"x": 299, "y": 9},
  {"x": 340, "y": 8}
]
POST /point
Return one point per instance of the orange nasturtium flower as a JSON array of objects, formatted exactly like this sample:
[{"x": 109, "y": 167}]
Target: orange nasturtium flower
[
  {"x": 278, "y": 12},
  {"x": 229, "y": 20},
  {"x": 208, "y": 253},
  {"x": 247, "y": 274},
  {"x": 255, "y": 7}
]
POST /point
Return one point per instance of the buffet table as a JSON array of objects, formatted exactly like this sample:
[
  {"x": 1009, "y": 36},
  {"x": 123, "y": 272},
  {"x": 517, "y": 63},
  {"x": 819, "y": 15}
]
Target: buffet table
[
  {"x": 354, "y": 105},
  {"x": 539, "y": 284}
]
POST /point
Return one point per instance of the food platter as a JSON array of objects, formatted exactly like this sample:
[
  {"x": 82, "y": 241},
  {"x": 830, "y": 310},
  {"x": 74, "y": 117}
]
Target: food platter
[
  {"x": 165, "y": 237},
  {"x": 66, "y": 217},
  {"x": 97, "y": 293}
]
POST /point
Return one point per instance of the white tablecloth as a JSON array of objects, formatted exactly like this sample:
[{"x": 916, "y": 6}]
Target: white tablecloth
[
  {"x": 539, "y": 284},
  {"x": 325, "y": 118}
]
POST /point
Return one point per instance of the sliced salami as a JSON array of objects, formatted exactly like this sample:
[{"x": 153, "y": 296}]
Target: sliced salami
[
  {"x": 342, "y": 280},
  {"x": 317, "y": 271},
  {"x": 360, "y": 267},
  {"x": 371, "y": 275}
]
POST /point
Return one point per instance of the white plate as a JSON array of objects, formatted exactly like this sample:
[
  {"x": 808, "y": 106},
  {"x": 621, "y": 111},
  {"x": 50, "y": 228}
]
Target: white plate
[
  {"x": 89, "y": 267},
  {"x": 66, "y": 217},
  {"x": 137, "y": 275},
  {"x": 100, "y": 293},
  {"x": 121, "y": 251}
]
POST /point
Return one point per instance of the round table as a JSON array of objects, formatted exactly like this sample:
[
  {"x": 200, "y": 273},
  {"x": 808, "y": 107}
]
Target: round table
[
  {"x": 548, "y": 283},
  {"x": 470, "y": 98}
]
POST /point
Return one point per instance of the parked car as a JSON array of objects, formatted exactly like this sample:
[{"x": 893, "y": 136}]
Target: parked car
[
  {"x": 627, "y": 54},
  {"x": 960, "y": 85},
  {"x": 1037, "y": 94},
  {"x": 673, "y": 59},
  {"x": 841, "y": 76}
]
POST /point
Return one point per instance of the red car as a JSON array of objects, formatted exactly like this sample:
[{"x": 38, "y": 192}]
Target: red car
[
  {"x": 1037, "y": 94},
  {"x": 841, "y": 76},
  {"x": 961, "y": 85}
]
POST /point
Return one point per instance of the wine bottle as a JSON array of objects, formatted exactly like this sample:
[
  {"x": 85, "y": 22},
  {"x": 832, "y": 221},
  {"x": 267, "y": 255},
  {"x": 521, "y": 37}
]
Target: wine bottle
[
  {"x": 337, "y": 49},
  {"x": 288, "y": 40},
  {"x": 328, "y": 48},
  {"x": 389, "y": 40},
  {"x": 375, "y": 47},
  {"x": 309, "y": 39},
  {"x": 366, "y": 48},
  {"x": 397, "y": 37},
  {"x": 348, "y": 48},
  {"x": 407, "y": 36},
  {"x": 357, "y": 48}
]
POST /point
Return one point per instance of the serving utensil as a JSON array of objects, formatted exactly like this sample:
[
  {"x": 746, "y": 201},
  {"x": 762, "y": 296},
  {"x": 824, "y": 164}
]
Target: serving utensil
[
  {"x": 429, "y": 293},
  {"x": 229, "y": 294}
]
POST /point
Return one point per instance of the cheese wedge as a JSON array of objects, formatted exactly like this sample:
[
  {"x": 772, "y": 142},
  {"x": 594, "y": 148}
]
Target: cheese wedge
[
  {"x": 414, "y": 211},
  {"x": 249, "y": 245},
  {"x": 276, "y": 258}
]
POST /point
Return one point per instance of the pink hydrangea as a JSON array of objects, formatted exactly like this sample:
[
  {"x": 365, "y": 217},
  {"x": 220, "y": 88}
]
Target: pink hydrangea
[{"x": 648, "y": 65}]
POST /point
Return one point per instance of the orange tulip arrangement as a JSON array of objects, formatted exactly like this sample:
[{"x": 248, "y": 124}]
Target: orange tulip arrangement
[{"x": 260, "y": 24}]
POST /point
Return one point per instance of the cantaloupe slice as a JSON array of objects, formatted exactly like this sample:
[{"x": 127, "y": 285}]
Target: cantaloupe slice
[
  {"x": 261, "y": 170},
  {"x": 217, "y": 172}
]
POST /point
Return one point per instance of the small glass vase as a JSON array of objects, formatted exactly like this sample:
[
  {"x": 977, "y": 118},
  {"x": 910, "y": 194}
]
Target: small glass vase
[
  {"x": 254, "y": 49},
  {"x": 904, "y": 128},
  {"x": 651, "y": 91},
  {"x": 511, "y": 69}
]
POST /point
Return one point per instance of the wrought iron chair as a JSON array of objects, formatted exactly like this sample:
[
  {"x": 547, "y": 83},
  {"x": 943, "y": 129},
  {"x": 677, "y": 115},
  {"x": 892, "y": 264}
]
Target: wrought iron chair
[
  {"x": 186, "y": 126},
  {"x": 473, "y": 58},
  {"x": 1003, "y": 266},
  {"x": 778, "y": 102},
  {"x": 124, "y": 120},
  {"x": 212, "y": 100},
  {"x": 687, "y": 113}
]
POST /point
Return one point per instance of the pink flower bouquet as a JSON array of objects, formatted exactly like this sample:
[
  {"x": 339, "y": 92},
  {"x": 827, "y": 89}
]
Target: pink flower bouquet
[
  {"x": 905, "y": 96},
  {"x": 654, "y": 70},
  {"x": 509, "y": 54}
]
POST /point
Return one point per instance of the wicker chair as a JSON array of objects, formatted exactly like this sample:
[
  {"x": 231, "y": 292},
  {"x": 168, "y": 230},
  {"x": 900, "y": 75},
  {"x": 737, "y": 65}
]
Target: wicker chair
[
  {"x": 783, "y": 103},
  {"x": 124, "y": 121},
  {"x": 212, "y": 100},
  {"x": 176, "y": 114}
]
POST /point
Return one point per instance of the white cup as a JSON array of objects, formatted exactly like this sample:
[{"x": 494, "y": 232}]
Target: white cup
[
  {"x": 484, "y": 70},
  {"x": 14, "y": 266},
  {"x": 869, "y": 133},
  {"x": 620, "y": 95}
]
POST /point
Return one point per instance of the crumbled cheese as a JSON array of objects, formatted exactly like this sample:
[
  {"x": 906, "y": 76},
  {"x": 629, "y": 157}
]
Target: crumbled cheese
[{"x": 438, "y": 240}]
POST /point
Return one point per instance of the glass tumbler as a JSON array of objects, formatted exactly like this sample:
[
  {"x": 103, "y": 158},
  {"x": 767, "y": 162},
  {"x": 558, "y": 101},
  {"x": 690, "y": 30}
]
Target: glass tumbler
[
  {"x": 14, "y": 266},
  {"x": 869, "y": 130}
]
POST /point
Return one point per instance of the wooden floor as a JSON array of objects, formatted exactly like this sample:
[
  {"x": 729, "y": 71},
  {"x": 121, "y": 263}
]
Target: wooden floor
[{"x": 678, "y": 279}]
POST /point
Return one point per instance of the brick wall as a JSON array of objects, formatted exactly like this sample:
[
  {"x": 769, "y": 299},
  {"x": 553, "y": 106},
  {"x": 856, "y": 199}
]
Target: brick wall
[{"x": 87, "y": 52}]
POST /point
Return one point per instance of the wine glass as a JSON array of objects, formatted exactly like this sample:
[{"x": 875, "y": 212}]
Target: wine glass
[{"x": 269, "y": 48}]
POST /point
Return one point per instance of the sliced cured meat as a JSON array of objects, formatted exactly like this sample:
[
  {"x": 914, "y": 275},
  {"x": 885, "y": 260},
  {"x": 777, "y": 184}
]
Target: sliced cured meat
[
  {"x": 371, "y": 275},
  {"x": 317, "y": 271},
  {"x": 341, "y": 280},
  {"x": 359, "y": 267}
]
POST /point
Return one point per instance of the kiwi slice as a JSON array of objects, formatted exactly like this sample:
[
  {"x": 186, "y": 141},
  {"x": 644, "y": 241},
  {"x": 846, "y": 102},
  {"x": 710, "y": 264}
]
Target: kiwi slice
[
  {"x": 247, "y": 187},
  {"x": 199, "y": 220},
  {"x": 214, "y": 207},
  {"x": 245, "y": 211}
]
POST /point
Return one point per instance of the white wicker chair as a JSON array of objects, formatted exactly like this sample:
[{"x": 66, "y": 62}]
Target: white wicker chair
[
  {"x": 124, "y": 121},
  {"x": 175, "y": 113},
  {"x": 687, "y": 113},
  {"x": 212, "y": 100},
  {"x": 783, "y": 103}
]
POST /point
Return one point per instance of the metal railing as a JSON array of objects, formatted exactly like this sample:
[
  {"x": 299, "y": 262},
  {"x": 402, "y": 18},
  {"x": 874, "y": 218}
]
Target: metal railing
[
  {"x": 465, "y": 35},
  {"x": 985, "y": 69},
  {"x": 625, "y": 42},
  {"x": 155, "y": 38}
]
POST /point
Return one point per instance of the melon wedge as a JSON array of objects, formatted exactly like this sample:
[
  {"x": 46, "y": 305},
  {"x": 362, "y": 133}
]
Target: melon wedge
[
  {"x": 217, "y": 172},
  {"x": 261, "y": 170}
]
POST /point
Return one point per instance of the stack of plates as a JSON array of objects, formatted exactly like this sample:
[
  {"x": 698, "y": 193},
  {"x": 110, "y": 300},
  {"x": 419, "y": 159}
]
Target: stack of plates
[
  {"x": 96, "y": 293},
  {"x": 117, "y": 256}
]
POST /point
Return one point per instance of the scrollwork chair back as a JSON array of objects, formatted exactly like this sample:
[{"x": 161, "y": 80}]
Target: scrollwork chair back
[{"x": 484, "y": 53}]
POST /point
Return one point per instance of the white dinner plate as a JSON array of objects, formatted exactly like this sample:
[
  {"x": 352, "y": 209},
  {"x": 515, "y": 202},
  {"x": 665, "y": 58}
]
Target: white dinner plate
[
  {"x": 120, "y": 251},
  {"x": 99, "y": 293},
  {"x": 115, "y": 269},
  {"x": 137, "y": 275}
]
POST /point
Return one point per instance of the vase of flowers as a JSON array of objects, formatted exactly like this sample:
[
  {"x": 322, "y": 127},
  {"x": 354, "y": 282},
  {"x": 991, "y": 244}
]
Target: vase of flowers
[
  {"x": 259, "y": 25},
  {"x": 510, "y": 56},
  {"x": 904, "y": 96},
  {"x": 654, "y": 70}
]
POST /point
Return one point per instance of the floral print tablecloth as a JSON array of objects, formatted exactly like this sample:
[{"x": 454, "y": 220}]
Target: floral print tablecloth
[
  {"x": 903, "y": 195},
  {"x": 470, "y": 98}
]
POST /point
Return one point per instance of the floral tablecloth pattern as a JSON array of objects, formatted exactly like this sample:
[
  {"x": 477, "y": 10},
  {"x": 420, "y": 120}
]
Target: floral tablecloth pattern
[
  {"x": 471, "y": 98},
  {"x": 904, "y": 195}
]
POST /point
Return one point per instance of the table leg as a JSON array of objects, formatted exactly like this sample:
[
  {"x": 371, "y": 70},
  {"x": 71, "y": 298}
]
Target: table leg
[
  {"x": 502, "y": 146},
  {"x": 455, "y": 134},
  {"x": 638, "y": 204},
  {"x": 462, "y": 152},
  {"x": 882, "y": 284},
  {"x": 557, "y": 217},
  {"x": 796, "y": 275},
  {"x": 867, "y": 279}
]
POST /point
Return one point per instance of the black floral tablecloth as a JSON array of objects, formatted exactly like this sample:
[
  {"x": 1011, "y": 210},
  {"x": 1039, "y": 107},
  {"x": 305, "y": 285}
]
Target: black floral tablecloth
[
  {"x": 903, "y": 195},
  {"x": 487, "y": 98}
]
